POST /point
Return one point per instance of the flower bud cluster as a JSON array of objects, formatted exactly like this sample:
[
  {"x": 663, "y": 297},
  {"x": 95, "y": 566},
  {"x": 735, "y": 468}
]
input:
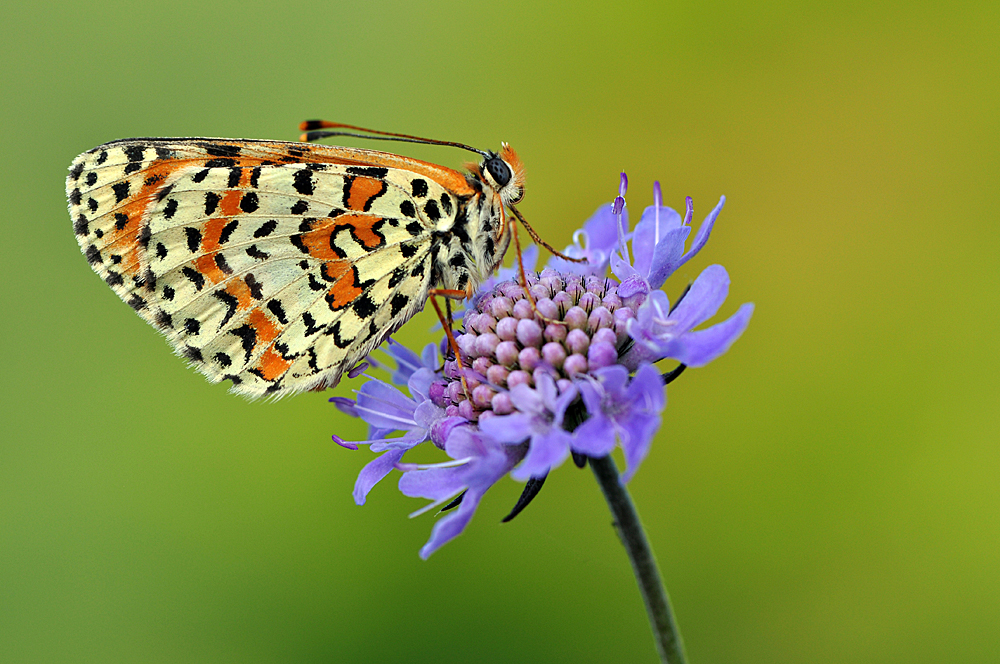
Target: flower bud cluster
[{"x": 577, "y": 325}]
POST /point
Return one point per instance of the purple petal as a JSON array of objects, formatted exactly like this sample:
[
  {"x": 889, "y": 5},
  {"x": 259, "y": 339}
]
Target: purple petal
[
  {"x": 452, "y": 525},
  {"x": 637, "y": 436},
  {"x": 527, "y": 400},
  {"x": 697, "y": 349},
  {"x": 648, "y": 234},
  {"x": 546, "y": 452},
  {"x": 382, "y": 405},
  {"x": 596, "y": 436},
  {"x": 667, "y": 255},
  {"x": 373, "y": 473},
  {"x": 406, "y": 362},
  {"x": 513, "y": 428},
  {"x": 704, "y": 231},
  {"x": 602, "y": 228},
  {"x": 703, "y": 300}
]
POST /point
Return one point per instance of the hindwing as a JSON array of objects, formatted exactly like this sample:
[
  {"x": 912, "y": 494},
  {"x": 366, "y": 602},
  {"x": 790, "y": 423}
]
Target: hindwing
[{"x": 275, "y": 265}]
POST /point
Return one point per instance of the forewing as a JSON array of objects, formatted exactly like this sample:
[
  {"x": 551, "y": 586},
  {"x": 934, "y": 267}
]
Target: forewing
[{"x": 275, "y": 265}]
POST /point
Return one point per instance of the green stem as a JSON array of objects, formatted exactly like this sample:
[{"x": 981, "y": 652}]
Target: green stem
[{"x": 633, "y": 537}]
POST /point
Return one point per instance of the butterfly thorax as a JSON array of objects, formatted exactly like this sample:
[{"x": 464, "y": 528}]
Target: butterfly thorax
[{"x": 468, "y": 252}]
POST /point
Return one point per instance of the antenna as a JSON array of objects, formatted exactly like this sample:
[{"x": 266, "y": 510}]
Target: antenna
[{"x": 311, "y": 127}]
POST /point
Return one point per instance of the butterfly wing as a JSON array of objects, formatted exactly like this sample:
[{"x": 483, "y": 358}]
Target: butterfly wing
[{"x": 275, "y": 265}]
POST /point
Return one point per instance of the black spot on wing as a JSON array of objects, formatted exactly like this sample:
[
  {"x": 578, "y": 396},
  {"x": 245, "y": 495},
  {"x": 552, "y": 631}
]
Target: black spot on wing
[
  {"x": 121, "y": 220},
  {"x": 74, "y": 197},
  {"x": 136, "y": 302},
  {"x": 220, "y": 163},
  {"x": 220, "y": 150},
  {"x": 227, "y": 231},
  {"x": 93, "y": 255},
  {"x": 161, "y": 250},
  {"x": 234, "y": 177},
  {"x": 303, "y": 182},
  {"x": 211, "y": 202},
  {"x": 192, "y": 354},
  {"x": 249, "y": 203},
  {"x": 274, "y": 306},
  {"x": 368, "y": 171},
  {"x": 256, "y": 288},
  {"x": 80, "y": 226},
  {"x": 121, "y": 190},
  {"x": 192, "y": 326},
  {"x": 265, "y": 229},
  {"x": 220, "y": 262},
  {"x": 76, "y": 170},
  {"x": 231, "y": 304},
  {"x": 200, "y": 175},
  {"x": 255, "y": 177},
  {"x": 407, "y": 210},
  {"x": 399, "y": 301},
  {"x": 363, "y": 306},
  {"x": 194, "y": 277},
  {"x": 248, "y": 336},
  {"x": 168, "y": 293},
  {"x": 257, "y": 254},
  {"x": 91, "y": 179},
  {"x": 446, "y": 204},
  {"x": 170, "y": 208},
  {"x": 338, "y": 341},
  {"x": 163, "y": 319},
  {"x": 419, "y": 186},
  {"x": 432, "y": 211},
  {"x": 397, "y": 277},
  {"x": 223, "y": 360},
  {"x": 193, "y": 238},
  {"x": 134, "y": 152},
  {"x": 408, "y": 250},
  {"x": 311, "y": 327},
  {"x": 300, "y": 207}
]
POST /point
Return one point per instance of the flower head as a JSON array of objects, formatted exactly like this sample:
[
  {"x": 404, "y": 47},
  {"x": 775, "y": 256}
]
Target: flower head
[{"x": 559, "y": 366}]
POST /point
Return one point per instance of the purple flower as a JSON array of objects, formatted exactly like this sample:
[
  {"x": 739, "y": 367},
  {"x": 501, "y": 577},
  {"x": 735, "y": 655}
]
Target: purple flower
[
  {"x": 660, "y": 333},
  {"x": 568, "y": 370},
  {"x": 622, "y": 409},
  {"x": 658, "y": 246},
  {"x": 480, "y": 462},
  {"x": 386, "y": 409},
  {"x": 538, "y": 419}
]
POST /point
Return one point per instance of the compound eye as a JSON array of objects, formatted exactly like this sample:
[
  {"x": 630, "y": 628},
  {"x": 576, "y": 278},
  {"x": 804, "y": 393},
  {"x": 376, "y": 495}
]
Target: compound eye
[{"x": 499, "y": 170}]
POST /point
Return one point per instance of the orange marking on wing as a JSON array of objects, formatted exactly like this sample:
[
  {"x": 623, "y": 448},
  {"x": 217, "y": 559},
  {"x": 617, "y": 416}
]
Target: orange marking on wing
[
  {"x": 124, "y": 242},
  {"x": 362, "y": 190},
  {"x": 362, "y": 225},
  {"x": 208, "y": 268},
  {"x": 229, "y": 206},
  {"x": 213, "y": 232},
  {"x": 271, "y": 365},
  {"x": 266, "y": 330},
  {"x": 344, "y": 291},
  {"x": 238, "y": 289}
]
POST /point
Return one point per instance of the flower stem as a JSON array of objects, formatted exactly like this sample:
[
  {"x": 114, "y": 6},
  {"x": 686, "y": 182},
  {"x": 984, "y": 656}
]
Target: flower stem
[{"x": 647, "y": 574}]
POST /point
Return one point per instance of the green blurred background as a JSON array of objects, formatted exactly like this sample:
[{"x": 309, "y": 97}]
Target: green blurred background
[{"x": 826, "y": 492}]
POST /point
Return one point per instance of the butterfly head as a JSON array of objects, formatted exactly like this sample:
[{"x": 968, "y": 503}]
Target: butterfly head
[{"x": 504, "y": 173}]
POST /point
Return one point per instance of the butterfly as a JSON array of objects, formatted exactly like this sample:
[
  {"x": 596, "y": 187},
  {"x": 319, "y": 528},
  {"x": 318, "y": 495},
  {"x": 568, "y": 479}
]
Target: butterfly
[{"x": 281, "y": 265}]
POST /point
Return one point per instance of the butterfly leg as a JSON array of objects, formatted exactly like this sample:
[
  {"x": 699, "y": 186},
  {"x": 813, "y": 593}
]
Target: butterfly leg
[{"x": 446, "y": 324}]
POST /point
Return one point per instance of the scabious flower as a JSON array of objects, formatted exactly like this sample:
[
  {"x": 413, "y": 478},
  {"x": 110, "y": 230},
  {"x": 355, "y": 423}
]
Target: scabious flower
[{"x": 561, "y": 366}]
